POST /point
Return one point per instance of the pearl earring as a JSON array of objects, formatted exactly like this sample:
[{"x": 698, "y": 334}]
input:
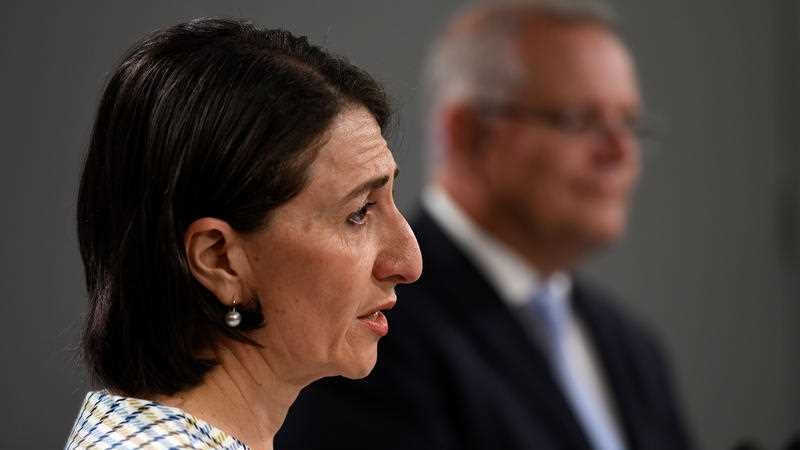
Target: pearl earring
[{"x": 233, "y": 318}]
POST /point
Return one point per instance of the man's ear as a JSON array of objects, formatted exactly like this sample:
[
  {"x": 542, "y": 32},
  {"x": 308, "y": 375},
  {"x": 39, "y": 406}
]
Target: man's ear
[
  {"x": 464, "y": 130},
  {"x": 216, "y": 258}
]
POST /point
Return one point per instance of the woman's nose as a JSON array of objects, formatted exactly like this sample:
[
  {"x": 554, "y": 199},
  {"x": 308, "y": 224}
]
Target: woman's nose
[{"x": 400, "y": 260}]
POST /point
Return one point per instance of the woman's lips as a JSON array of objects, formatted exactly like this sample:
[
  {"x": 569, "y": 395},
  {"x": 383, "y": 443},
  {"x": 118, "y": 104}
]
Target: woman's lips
[{"x": 376, "y": 322}]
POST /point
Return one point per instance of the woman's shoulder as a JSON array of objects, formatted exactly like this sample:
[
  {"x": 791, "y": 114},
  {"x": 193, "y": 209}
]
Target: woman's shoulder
[{"x": 125, "y": 423}]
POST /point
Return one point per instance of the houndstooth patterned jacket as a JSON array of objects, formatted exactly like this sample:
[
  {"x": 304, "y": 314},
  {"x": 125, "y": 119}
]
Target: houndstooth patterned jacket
[{"x": 108, "y": 422}]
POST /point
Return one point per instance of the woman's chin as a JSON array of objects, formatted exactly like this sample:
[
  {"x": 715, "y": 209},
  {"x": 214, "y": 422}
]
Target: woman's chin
[{"x": 361, "y": 366}]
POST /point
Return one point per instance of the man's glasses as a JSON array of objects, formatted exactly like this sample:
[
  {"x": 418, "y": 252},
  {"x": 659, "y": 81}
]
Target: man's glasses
[{"x": 571, "y": 121}]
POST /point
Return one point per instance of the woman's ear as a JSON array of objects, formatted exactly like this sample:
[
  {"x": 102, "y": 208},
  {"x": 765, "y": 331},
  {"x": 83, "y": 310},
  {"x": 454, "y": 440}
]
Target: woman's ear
[{"x": 216, "y": 258}]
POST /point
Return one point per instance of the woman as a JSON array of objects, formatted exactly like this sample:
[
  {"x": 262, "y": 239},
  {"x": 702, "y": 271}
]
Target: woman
[{"x": 239, "y": 236}]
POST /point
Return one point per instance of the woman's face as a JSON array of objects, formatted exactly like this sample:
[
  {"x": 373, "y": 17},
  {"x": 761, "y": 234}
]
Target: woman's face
[{"x": 329, "y": 259}]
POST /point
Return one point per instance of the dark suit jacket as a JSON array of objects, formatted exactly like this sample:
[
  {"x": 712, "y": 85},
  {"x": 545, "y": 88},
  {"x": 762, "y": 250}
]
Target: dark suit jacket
[{"x": 458, "y": 371}]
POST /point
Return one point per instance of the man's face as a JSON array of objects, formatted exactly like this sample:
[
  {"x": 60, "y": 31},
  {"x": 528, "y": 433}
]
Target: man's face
[{"x": 560, "y": 160}]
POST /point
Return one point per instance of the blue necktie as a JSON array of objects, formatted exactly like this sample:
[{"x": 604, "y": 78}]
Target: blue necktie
[{"x": 552, "y": 317}]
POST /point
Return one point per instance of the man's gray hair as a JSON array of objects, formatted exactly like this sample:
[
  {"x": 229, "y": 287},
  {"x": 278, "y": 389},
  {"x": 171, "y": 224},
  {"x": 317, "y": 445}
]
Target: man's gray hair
[{"x": 475, "y": 58}]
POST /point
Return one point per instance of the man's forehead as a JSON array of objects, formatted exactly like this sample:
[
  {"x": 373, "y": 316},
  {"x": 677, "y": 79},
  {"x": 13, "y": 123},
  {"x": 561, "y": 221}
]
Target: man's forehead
[
  {"x": 580, "y": 60},
  {"x": 548, "y": 42}
]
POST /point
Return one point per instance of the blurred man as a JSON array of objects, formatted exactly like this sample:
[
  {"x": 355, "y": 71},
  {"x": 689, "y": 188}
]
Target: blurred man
[{"x": 534, "y": 115}]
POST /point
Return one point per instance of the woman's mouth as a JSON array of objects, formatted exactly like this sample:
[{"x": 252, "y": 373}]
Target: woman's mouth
[{"x": 376, "y": 322}]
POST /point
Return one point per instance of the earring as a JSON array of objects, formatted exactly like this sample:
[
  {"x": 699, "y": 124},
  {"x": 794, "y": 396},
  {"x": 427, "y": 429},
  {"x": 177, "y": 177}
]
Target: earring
[{"x": 233, "y": 318}]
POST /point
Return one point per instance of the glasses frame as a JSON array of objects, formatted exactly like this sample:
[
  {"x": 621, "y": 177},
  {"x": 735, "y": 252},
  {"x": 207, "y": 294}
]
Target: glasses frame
[{"x": 575, "y": 122}]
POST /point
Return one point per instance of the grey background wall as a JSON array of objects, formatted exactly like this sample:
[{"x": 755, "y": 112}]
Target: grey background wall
[{"x": 713, "y": 254}]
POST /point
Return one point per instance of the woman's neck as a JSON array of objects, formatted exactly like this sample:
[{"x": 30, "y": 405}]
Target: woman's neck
[{"x": 242, "y": 395}]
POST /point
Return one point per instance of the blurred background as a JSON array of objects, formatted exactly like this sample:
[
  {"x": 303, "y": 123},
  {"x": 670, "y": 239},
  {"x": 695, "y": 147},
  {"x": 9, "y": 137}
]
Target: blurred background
[{"x": 712, "y": 258}]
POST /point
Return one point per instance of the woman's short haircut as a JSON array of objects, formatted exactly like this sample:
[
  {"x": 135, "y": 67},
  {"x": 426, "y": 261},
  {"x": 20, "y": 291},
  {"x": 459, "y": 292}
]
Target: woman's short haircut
[{"x": 209, "y": 118}]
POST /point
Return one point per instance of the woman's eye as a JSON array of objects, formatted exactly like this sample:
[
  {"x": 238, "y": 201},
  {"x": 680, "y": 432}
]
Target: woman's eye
[{"x": 360, "y": 217}]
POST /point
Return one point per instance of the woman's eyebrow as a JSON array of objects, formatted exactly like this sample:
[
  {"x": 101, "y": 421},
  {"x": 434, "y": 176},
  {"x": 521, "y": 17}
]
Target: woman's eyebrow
[{"x": 370, "y": 185}]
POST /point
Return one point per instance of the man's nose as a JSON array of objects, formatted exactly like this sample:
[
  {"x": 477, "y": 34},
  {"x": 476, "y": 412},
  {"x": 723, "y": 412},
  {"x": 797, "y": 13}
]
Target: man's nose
[{"x": 618, "y": 142}]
